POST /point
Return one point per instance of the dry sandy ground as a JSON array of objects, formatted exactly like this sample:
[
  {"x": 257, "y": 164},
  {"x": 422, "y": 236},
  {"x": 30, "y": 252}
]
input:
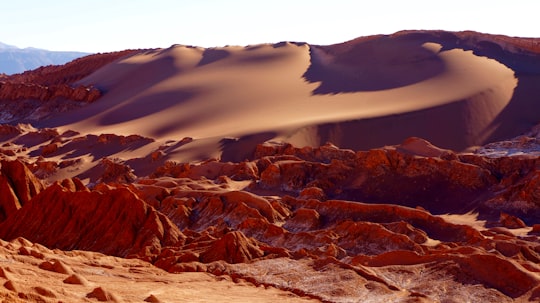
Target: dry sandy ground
[{"x": 32, "y": 273}]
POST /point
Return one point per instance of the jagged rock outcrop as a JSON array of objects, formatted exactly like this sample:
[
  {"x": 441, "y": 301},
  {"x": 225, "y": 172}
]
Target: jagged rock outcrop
[
  {"x": 293, "y": 204},
  {"x": 379, "y": 175},
  {"x": 24, "y": 183},
  {"x": 233, "y": 247},
  {"x": 415, "y": 173},
  {"x": 23, "y": 91},
  {"x": 116, "y": 172},
  {"x": 210, "y": 169},
  {"x": 236, "y": 226},
  {"x": 17, "y": 186},
  {"x": 510, "y": 278},
  {"x": 114, "y": 222},
  {"x": 9, "y": 202}
]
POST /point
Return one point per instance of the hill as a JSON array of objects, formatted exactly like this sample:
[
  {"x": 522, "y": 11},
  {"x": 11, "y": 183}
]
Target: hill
[{"x": 15, "y": 60}]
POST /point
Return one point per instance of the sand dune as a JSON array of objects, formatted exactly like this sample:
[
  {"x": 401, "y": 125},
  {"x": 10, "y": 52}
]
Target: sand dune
[{"x": 361, "y": 94}]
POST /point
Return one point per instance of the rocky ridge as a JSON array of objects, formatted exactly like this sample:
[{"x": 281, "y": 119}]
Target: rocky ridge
[
  {"x": 35, "y": 95},
  {"x": 371, "y": 217},
  {"x": 21, "y": 91}
]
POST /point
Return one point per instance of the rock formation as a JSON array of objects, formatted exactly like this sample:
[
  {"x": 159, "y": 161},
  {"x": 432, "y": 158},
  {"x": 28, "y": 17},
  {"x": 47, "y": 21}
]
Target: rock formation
[
  {"x": 68, "y": 73},
  {"x": 21, "y": 91},
  {"x": 17, "y": 186},
  {"x": 41, "y": 92},
  {"x": 115, "y": 222},
  {"x": 192, "y": 217}
]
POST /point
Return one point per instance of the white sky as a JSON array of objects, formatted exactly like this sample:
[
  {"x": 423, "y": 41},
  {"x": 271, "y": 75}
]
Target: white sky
[{"x": 108, "y": 25}]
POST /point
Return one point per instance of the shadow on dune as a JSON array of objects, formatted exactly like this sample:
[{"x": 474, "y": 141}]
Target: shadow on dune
[
  {"x": 211, "y": 55},
  {"x": 96, "y": 146},
  {"x": 521, "y": 113},
  {"x": 371, "y": 65},
  {"x": 237, "y": 150},
  {"x": 126, "y": 81},
  {"x": 439, "y": 125},
  {"x": 385, "y": 62},
  {"x": 145, "y": 106},
  {"x": 187, "y": 121}
]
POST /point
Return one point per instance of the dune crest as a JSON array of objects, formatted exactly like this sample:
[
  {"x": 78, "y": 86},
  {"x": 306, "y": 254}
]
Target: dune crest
[{"x": 428, "y": 85}]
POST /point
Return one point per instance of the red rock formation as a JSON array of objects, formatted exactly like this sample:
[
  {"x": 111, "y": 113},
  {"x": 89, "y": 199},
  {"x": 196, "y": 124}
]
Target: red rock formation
[
  {"x": 491, "y": 270},
  {"x": 116, "y": 172},
  {"x": 303, "y": 219},
  {"x": 115, "y": 222},
  {"x": 210, "y": 169},
  {"x": 376, "y": 175},
  {"x": 233, "y": 247},
  {"x": 70, "y": 72},
  {"x": 415, "y": 174},
  {"x": 9, "y": 202},
  {"x": 29, "y": 91},
  {"x": 24, "y": 183},
  {"x": 17, "y": 186},
  {"x": 9, "y": 131},
  {"x": 509, "y": 221},
  {"x": 103, "y": 295},
  {"x": 192, "y": 217}
]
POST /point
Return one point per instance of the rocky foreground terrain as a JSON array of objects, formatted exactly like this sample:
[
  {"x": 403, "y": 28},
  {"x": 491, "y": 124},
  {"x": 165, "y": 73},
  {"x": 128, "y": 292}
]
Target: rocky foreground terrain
[{"x": 406, "y": 223}]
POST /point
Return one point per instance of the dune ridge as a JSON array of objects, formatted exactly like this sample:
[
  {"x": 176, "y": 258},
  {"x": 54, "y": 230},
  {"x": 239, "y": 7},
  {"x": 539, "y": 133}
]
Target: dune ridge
[{"x": 429, "y": 84}]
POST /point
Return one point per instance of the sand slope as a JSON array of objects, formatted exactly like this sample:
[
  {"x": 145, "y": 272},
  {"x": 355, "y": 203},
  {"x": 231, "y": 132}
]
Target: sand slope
[{"x": 361, "y": 94}]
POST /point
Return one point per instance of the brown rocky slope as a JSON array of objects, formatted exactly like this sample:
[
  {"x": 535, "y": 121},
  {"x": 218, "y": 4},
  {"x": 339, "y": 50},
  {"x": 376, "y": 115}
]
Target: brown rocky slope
[{"x": 290, "y": 210}]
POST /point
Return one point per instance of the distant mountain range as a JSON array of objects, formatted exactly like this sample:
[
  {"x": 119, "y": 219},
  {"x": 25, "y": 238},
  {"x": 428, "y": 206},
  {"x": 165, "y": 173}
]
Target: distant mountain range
[{"x": 15, "y": 60}]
